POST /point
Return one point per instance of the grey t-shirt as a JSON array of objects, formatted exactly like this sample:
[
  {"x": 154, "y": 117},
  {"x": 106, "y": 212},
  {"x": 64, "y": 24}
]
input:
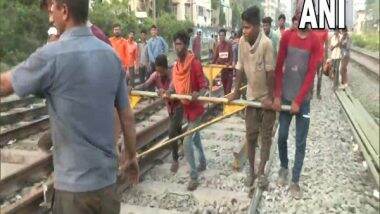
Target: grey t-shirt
[
  {"x": 296, "y": 67},
  {"x": 82, "y": 80}
]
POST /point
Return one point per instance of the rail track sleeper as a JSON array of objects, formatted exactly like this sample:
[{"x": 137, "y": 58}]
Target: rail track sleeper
[
  {"x": 356, "y": 119},
  {"x": 371, "y": 157},
  {"x": 23, "y": 115},
  {"x": 366, "y": 154},
  {"x": 374, "y": 58},
  {"x": 44, "y": 165},
  {"x": 365, "y": 118},
  {"x": 348, "y": 107},
  {"x": 24, "y": 131},
  {"x": 152, "y": 132},
  {"x": 8, "y": 105}
]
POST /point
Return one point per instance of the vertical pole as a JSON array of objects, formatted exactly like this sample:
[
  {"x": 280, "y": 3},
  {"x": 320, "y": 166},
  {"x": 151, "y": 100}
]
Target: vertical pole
[{"x": 211, "y": 79}]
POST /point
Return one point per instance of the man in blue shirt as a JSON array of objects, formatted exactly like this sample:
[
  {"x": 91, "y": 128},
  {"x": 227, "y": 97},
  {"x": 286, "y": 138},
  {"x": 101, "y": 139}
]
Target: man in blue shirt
[
  {"x": 156, "y": 46},
  {"x": 83, "y": 81},
  {"x": 267, "y": 28}
]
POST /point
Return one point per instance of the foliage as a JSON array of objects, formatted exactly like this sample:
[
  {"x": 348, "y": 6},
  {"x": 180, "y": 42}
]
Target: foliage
[
  {"x": 222, "y": 17},
  {"x": 22, "y": 29},
  {"x": 162, "y": 7},
  {"x": 23, "y": 26},
  {"x": 105, "y": 15},
  {"x": 368, "y": 41},
  {"x": 236, "y": 16},
  {"x": 372, "y": 8},
  {"x": 168, "y": 26},
  {"x": 215, "y": 4},
  {"x": 248, "y": 3}
]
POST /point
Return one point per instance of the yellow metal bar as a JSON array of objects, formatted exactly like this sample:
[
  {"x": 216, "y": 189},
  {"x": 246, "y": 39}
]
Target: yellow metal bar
[
  {"x": 134, "y": 100},
  {"x": 167, "y": 142}
]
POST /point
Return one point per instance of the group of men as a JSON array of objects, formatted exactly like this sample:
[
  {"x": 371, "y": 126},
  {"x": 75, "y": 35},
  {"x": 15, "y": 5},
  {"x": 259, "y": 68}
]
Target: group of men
[
  {"x": 340, "y": 45},
  {"x": 84, "y": 82},
  {"x": 138, "y": 57}
]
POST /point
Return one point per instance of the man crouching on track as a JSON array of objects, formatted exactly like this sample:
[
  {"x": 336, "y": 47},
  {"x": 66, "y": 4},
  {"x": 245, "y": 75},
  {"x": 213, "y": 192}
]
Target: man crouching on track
[
  {"x": 256, "y": 59},
  {"x": 83, "y": 81},
  {"x": 161, "y": 79},
  {"x": 188, "y": 78}
]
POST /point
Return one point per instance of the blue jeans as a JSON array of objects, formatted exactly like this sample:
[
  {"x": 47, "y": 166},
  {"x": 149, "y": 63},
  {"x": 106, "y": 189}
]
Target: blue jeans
[
  {"x": 188, "y": 146},
  {"x": 302, "y": 128}
]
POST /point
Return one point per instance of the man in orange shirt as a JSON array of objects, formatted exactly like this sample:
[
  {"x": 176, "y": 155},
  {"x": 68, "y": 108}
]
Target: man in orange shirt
[
  {"x": 131, "y": 57},
  {"x": 119, "y": 43}
]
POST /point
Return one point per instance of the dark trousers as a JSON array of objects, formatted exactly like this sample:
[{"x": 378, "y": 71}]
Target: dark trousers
[
  {"x": 319, "y": 79},
  {"x": 132, "y": 76},
  {"x": 152, "y": 68},
  {"x": 257, "y": 120},
  {"x": 227, "y": 78},
  {"x": 336, "y": 64},
  {"x": 143, "y": 74},
  {"x": 302, "y": 128},
  {"x": 102, "y": 201},
  {"x": 175, "y": 128}
]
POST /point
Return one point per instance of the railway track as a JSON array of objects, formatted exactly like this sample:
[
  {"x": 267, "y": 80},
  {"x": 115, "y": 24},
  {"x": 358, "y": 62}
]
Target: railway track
[
  {"x": 365, "y": 130},
  {"x": 221, "y": 189},
  {"x": 364, "y": 126},
  {"x": 17, "y": 103},
  {"x": 24, "y": 172},
  {"x": 367, "y": 61}
]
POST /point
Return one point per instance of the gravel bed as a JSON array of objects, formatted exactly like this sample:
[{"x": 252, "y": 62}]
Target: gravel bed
[{"x": 335, "y": 179}]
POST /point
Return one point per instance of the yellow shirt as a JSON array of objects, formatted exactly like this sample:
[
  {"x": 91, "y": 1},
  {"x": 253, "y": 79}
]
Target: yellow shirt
[{"x": 256, "y": 61}]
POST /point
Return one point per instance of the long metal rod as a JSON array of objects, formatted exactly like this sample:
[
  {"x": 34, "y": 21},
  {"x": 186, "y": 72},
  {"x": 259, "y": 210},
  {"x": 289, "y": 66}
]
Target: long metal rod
[
  {"x": 219, "y": 100},
  {"x": 168, "y": 142}
]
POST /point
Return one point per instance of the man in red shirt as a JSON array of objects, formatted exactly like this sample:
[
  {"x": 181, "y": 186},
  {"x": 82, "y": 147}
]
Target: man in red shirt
[
  {"x": 188, "y": 78},
  {"x": 161, "y": 80},
  {"x": 295, "y": 70},
  {"x": 197, "y": 45},
  {"x": 323, "y": 37},
  {"x": 223, "y": 56}
]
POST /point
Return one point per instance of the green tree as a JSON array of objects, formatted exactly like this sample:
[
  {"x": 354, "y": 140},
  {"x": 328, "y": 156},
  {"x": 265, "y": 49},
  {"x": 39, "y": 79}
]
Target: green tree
[
  {"x": 105, "y": 14},
  {"x": 215, "y": 4},
  {"x": 222, "y": 17},
  {"x": 169, "y": 25},
  {"x": 162, "y": 6},
  {"x": 248, "y": 3},
  {"x": 236, "y": 16},
  {"x": 23, "y": 29}
]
